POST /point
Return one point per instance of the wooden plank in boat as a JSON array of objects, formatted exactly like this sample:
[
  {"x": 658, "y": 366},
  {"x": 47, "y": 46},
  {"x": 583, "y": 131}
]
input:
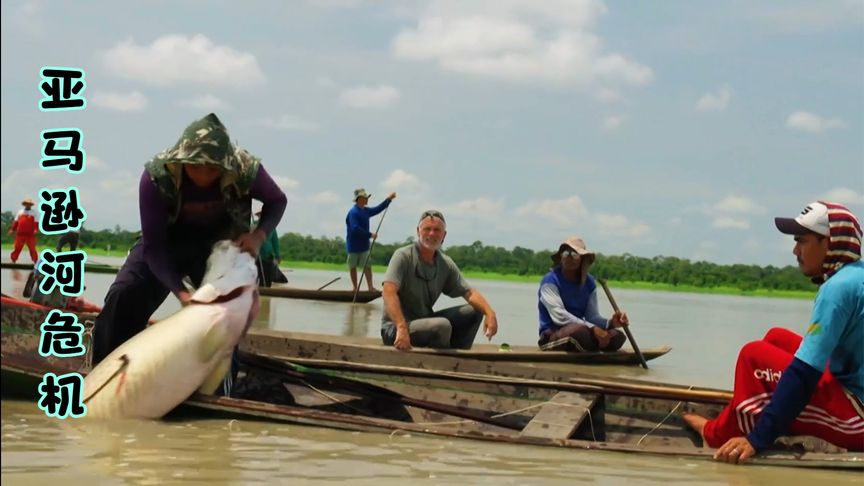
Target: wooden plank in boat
[{"x": 560, "y": 416}]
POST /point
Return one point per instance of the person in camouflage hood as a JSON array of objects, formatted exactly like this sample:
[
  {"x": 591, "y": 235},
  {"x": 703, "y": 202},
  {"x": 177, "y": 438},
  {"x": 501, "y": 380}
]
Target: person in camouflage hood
[{"x": 191, "y": 195}]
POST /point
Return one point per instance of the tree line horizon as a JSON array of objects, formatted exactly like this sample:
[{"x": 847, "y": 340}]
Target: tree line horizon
[{"x": 495, "y": 259}]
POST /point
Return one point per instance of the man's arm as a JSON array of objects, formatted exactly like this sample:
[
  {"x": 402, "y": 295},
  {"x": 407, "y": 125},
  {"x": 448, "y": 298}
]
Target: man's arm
[
  {"x": 550, "y": 297},
  {"x": 393, "y": 307},
  {"x": 264, "y": 189},
  {"x": 793, "y": 392},
  {"x": 154, "y": 237},
  {"x": 479, "y": 303}
]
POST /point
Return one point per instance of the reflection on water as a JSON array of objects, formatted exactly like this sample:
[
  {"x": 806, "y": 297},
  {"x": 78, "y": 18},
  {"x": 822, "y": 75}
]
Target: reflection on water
[
  {"x": 704, "y": 331},
  {"x": 357, "y": 320},
  {"x": 41, "y": 450}
]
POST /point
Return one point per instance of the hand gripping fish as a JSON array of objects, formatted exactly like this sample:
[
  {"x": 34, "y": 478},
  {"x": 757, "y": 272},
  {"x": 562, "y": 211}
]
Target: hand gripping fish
[{"x": 159, "y": 368}]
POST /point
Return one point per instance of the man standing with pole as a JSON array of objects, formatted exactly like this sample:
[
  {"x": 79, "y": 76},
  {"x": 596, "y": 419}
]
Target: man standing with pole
[{"x": 358, "y": 236}]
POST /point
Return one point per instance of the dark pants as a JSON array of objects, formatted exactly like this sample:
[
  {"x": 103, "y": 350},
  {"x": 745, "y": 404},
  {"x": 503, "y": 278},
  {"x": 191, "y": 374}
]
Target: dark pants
[
  {"x": 584, "y": 337},
  {"x": 136, "y": 294},
  {"x": 269, "y": 272},
  {"x": 70, "y": 238},
  {"x": 454, "y": 327}
]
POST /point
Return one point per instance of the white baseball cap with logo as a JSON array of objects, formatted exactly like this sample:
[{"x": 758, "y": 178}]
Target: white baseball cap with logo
[{"x": 813, "y": 218}]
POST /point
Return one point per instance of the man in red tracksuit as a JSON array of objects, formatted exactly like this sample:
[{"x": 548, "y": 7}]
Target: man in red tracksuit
[
  {"x": 25, "y": 228},
  {"x": 787, "y": 384}
]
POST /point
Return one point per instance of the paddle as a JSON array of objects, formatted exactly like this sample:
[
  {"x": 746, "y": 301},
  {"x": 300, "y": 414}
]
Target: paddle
[
  {"x": 625, "y": 327},
  {"x": 330, "y": 282},
  {"x": 369, "y": 254}
]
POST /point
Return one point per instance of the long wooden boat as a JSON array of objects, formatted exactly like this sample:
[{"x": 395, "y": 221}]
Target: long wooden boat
[
  {"x": 88, "y": 267},
  {"x": 283, "y": 291},
  {"x": 370, "y": 350},
  {"x": 631, "y": 419},
  {"x": 321, "y": 347},
  {"x": 363, "y": 296}
]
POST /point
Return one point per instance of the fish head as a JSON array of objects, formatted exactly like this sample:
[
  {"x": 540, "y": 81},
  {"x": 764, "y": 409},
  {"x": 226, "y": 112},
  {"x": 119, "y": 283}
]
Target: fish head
[{"x": 230, "y": 272}]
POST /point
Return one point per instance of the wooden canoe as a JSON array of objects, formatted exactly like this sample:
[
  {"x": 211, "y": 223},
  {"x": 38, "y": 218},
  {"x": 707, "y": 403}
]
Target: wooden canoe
[
  {"x": 576, "y": 416},
  {"x": 371, "y": 350},
  {"x": 283, "y": 291},
  {"x": 363, "y": 296},
  {"x": 88, "y": 267}
]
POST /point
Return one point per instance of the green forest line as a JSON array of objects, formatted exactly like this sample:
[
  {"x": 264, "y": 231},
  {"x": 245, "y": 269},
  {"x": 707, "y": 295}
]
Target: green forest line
[{"x": 480, "y": 261}]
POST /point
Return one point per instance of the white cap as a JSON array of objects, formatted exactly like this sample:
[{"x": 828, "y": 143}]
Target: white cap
[{"x": 813, "y": 218}]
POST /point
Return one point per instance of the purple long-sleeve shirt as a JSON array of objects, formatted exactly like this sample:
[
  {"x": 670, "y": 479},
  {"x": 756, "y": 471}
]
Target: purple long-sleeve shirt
[{"x": 202, "y": 214}]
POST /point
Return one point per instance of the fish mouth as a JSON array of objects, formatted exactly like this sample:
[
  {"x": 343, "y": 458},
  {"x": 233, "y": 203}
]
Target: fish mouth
[{"x": 226, "y": 297}]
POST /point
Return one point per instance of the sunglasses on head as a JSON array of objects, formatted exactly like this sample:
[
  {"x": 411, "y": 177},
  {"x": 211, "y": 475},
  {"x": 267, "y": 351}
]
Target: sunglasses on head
[{"x": 432, "y": 214}]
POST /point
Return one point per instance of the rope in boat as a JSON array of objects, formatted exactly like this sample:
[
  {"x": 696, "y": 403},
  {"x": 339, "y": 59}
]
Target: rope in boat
[
  {"x": 330, "y": 397},
  {"x": 457, "y": 422},
  {"x": 662, "y": 421},
  {"x": 454, "y": 422}
]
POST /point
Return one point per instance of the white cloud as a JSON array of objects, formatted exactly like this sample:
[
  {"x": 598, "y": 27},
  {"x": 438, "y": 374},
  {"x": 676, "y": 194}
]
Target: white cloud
[
  {"x": 619, "y": 225},
  {"x": 124, "y": 185},
  {"x": 737, "y": 204},
  {"x": 206, "y": 102},
  {"x": 731, "y": 223},
  {"x": 290, "y": 123},
  {"x": 546, "y": 43},
  {"x": 732, "y": 212},
  {"x": 326, "y": 197},
  {"x": 843, "y": 195},
  {"x": 172, "y": 59},
  {"x": 613, "y": 122},
  {"x": 134, "y": 101},
  {"x": 560, "y": 211},
  {"x": 285, "y": 183},
  {"x": 715, "y": 101},
  {"x": 480, "y": 207},
  {"x": 375, "y": 97},
  {"x": 401, "y": 179},
  {"x": 95, "y": 163},
  {"x": 809, "y": 122}
]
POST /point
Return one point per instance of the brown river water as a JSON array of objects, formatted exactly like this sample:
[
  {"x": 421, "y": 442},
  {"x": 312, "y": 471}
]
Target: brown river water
[{"x": 705, "y": 332}]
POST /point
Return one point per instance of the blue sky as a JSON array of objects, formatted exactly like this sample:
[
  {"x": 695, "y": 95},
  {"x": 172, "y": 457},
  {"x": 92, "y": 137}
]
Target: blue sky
[{"x": 673, "y": 128}]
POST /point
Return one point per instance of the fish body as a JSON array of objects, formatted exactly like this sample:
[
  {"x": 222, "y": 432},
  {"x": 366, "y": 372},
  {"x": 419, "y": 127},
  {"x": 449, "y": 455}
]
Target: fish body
[{"x": 159, "y": 368}]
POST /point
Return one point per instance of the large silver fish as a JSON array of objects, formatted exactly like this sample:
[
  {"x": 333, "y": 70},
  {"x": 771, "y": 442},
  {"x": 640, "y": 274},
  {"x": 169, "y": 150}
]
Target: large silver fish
[{"x": 159, "y": 368}]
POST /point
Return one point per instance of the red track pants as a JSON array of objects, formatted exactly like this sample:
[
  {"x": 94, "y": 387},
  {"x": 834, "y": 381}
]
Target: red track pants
[
  {"x": 833, "y": 414},
  {"x": 20, "y": 241}
]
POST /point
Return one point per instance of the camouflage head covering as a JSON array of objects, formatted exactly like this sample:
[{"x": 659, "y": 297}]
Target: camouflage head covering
[{"x": 206, "y": 141}]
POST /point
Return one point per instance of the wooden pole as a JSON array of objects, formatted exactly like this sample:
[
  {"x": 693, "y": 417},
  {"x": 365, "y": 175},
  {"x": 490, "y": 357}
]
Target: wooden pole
[
  {"x": 328, "y": 283},
  {"x": 625, "y": 327}
]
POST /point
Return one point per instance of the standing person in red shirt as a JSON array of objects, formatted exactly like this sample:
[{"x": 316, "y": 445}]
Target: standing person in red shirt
[{"x": 25, "y": 228}]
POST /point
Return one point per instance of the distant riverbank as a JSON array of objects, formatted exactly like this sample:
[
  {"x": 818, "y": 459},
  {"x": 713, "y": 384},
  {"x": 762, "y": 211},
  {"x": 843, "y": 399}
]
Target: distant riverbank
[{"x": 381, "y": 269}]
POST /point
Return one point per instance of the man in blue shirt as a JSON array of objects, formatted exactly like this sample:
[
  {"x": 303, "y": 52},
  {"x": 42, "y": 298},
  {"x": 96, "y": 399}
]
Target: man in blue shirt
[
  {"x": 789, "y": 385},
  {"x": 358, "y": 236}
]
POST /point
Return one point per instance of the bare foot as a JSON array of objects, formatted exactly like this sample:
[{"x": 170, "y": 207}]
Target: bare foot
[{"x": 695, "y": 422}]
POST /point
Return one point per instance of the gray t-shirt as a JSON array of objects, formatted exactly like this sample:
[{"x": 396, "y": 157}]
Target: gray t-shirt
[{"x": 420, "y": 283}]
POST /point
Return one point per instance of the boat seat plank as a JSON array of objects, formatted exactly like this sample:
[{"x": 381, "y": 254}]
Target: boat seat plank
[{"x": 560, "y": 416}]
